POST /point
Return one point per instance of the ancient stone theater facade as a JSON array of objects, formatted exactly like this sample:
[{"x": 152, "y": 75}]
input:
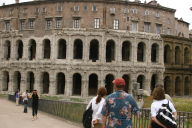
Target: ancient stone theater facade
[{"x": 72, "y": 47}]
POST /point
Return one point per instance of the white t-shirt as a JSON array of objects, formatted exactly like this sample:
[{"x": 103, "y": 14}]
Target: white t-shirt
[
  {"x": 97, "y": 108},
  {"x": 156, "y": 105}
]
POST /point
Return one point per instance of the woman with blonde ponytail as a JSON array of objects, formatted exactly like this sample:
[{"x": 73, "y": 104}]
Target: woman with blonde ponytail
[{"x": 97, "y": 103}]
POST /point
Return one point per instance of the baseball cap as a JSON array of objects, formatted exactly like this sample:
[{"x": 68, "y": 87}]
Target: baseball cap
[{"x": 119, "y": 81}]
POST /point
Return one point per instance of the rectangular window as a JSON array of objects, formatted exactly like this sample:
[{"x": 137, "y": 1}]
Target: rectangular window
[
  {"x": 94, "y": 8},
  {"x": 31, "y": 23},
  {"x": 134, "y": 26},
  {"x": 97, "y": 23},
  {"x": 76, "y": 23},
  {"x": 7, "y": 26},
  {"x": 59, "y": 23},
  {"x": 59, "y": 7},
  {"x": 85, "y": 8},
  {"x": 158, "y": 28},
  {"x": 112, "y": 11},
  {"x": 147, "y": 26},
  {"x": 37, "y": 10},
  {"x": 44, "y": 10},
  {"x": 22, "y": 24},
  {"x": 76, "y": 8},
  {"x": 48, "y": 24},
  {"x": 116, "y": 24}
]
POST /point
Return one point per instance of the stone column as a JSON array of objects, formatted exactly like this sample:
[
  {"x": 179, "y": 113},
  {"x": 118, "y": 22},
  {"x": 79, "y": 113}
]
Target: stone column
[
  {"x": 84, "y": 86},
  {"x": 70, "y": 49},
  {"x": 11, "y": 87},
  {"x": 25, "y": 50},
  {"x": 161, "y": 53},
  {"x": 52, "y": 84},
  {"x": 133, "y": 80},
  {"x": 1, "y": 80},
  {"x": 147, "y": 82},
  {"x": 102, "y": 50},
  {"x": 118, "y": 51},
  {"x": 13, "y": 51},
  {"x": 38, "y": 82},
  {"x": 68, "y": 84},
  {"x": 39, "y": 50},
  {"x": 147, "y": 56},
  {"x": 160, "y": 78},
  {"x": 54, "y": 51},
  {"x": 134, "y": 51},
  {"x": 86, "y": 50},
  {"x": 23, "y": 84}
]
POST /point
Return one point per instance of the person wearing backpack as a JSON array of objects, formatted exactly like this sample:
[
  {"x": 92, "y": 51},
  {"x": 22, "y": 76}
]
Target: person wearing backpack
[
  {"x": 96, "y": 104},
  {"x": 159, "y": 104}
]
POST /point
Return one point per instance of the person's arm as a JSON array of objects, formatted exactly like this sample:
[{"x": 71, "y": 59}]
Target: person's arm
[
  {"x": 134, "y": 106},
  {"x": 154, "y": 119},
  {"x": 104, "y": 118}
]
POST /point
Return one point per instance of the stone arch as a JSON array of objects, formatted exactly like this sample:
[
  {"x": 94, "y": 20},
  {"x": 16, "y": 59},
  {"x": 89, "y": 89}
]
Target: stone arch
[
  {"x": 127, "y": 82},
  {"x": 178, "y": 86},
  {"x": 94, "y": 50},
  {"x": 154, "y": 53},
  {"x": 32, "y": 49},
  {"x": 108, "y": 83},
  {"x": 30, "y": 81},
  {"x": 77, "y": 83},
  {"x": 5, "y": 81},
  {"x": 17, "y": 81},
  {"x": 93, "y": 84},
  {"x": 45, "y": 82},
  {"x": 187, "y": 86},
  {"x": 186, "y": 56},
  {"x": 19, "y": 49},
  {"x": 62, "y": 49},
  {"x": 110, "y": 51},
  {"x": 167, "y": 54},
  {"x": 177, "y": 55},
  {"x": 60, "y": 83},
  {"x": 7, "y": 50},
  {"x": 141, "y": 52},
  {"x": 46, "y": 49},
  {"x": 154, "y": 79},
  {"x": 126, "y": 51},
  {"x": 78, "y": 49},
  {"x": 167, "y": 85},
  {"x": 141, "y": 81}
]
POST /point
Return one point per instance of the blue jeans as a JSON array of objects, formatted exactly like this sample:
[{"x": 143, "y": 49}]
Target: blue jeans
[{"x": 25, "y": 103}]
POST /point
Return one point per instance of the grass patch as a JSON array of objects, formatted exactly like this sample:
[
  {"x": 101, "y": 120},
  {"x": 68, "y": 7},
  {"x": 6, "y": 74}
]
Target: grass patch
[
  {"x": 51, "y": 97},
  {"x": 76, "y": 100},
  {"x": 3, "y": 96}
]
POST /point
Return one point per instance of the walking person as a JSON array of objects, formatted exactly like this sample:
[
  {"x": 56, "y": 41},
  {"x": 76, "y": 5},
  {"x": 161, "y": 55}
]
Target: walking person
[
  {"x": 159, "y": 100},
  {"x": 25, "y": 100},
  {"x": 17, "y": 97},
  {"x": 97, "y": 103},
  {"x": 35, "y": 104},
  {"x": 119, "y": 107}
]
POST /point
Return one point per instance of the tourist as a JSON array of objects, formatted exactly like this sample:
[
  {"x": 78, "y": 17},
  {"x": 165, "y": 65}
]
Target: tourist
[
  {"x": 17, "y": 96},
  {"x": 35, "y": 104},
  {"x": 118, "y": 107},
  {"x": 25, "y": 100},
  {"x": 97, "y": 105},
  {"x": 159, "y": 99}
]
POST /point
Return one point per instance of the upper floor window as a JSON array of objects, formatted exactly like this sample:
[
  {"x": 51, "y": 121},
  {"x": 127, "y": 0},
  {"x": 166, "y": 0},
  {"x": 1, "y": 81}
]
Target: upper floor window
[
  {"x": 48, "y": 24},
  {"x": 134, "y": 11},
  {"x": 58, "y": 22},
  {"x": 59, "y": 7},
  {"x": 10, "y": 12},
  {"x": 116, "y": 24},
  {"x": 157, "y": 15},
  {"x": 147, "y": 12},
  {"x": 134, "y": 26},
  {"x": 85, "y": 8},
  {"x": 44, "y": 10},
  {"x": 22, "y": 24},
  {"x": 147, "y": 26},
  {"x": 158, "y": 28},
  {"x": 76, "y": 23},
  {"x": 94, "y": 8},
  {"x": 31, "y": 23},
  {"x": 7, "y": 25},
  {"x": 112, "y": 11},
  {"x": 125, "y": 10},
  {"x": 37, "y": 10},
  {"x": 97, "y": 23},
  {"x": 76, "y": 8}
]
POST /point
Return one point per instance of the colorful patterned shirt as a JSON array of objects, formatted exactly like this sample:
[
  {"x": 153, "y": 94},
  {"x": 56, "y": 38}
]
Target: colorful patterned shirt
[{"x": 118, "y": 108}]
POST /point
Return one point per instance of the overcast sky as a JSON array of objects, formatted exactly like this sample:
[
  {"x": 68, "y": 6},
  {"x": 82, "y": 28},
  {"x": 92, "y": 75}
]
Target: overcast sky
[{"x": 182, "y": 7}]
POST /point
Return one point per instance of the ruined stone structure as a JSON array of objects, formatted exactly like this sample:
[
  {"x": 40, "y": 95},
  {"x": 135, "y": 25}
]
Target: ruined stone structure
[{"x": 71, "y": 48}]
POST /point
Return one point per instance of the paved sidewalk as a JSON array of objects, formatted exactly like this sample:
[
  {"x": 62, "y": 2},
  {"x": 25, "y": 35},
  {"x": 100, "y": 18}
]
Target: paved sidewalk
[{"x": 12, "y": 116}]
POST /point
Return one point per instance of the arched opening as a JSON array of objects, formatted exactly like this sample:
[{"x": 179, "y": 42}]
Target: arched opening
[
  {"x": 178, "y": 86},
  {"x": 45, "y": 82},
  {"x": 60, "y": 83},
  {"x": 94, "y": 50},
  {"x": 141, "y": 52},
  {"x": 19, "y": 49},
  {"x": 32, "y": 49},
  {"x": 127, "y": 83},
  {"x": 153, "y": 81},
  {"x": 167, "y": 85},
  {"x": 177, "y": 55},
  {"x": 30, "y": 81},
  {"x": 154, "y": 53},
  {"x": 47, "y": 49},
  {"x": 77, "y": 84},
  {"x": 167, "y": 54},
  {"x": 5, "y": 84},
  {"x": 186, "y": 86},
  {"x": 110, "y": 51},
  {"x": 7, "y": 49},
  {"x": 141, "y": 81},
  {"x": 78, "y": 49},
  {"x": 93, "y": 84},
  {"x": 108, "y": 83},
  {"x": 62, "y": 49},
  {"x": 17, "y": 81},
  {"x": 126, "y": 51},
  {"x": 186, "y": 56}
]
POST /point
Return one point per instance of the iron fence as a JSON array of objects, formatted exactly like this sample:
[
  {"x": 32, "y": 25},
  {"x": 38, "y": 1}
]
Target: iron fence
[{"x": 74, "y": 111}]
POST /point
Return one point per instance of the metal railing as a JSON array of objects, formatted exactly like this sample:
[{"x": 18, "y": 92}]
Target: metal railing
[{"x": 74, "y": 111}]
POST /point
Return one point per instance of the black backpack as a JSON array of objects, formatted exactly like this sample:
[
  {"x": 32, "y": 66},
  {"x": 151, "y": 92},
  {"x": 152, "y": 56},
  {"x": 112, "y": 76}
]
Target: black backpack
[
  {"x": 165, "y": 116},
  {"x": 87, "y": 117}
]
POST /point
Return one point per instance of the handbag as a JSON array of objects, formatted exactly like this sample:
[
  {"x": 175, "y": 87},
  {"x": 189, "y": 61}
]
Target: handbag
[
  {"x": 87, "y": 117},
  {"x": 165, "y": 116}
]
